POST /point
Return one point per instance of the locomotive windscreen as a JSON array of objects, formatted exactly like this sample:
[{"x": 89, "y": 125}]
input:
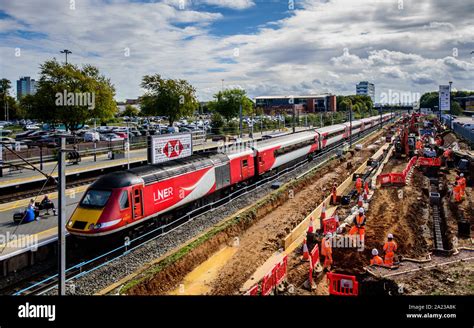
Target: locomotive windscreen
[{"x": 95, "y": 198}]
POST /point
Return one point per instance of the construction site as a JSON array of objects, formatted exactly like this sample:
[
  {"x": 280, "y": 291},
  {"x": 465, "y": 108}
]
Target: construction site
[{"x": 391, "y": 215}]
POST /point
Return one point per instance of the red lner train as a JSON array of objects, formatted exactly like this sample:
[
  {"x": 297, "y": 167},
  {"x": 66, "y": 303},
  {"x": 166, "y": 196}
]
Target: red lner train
[{"x": 157, "y": 194}]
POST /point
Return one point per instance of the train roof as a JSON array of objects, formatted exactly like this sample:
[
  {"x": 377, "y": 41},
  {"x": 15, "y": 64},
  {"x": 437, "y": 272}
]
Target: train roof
[
  {"x": 331, "y": 128},
  {"x": 284, "y": 141},
  {"x": 156, "y": 172},
  {"x": 118, "y": 179}
]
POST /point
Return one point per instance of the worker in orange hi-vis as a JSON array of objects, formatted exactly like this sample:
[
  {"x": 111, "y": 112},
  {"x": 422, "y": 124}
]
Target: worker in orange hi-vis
[
  {"x": 419, "y": 145},
  {"x": 366, "y": 188},
  {"x": 462, "y": 183},
  {"x": 334, "y": 194},
  {"x": 389, "y": 248},
  {"x": 358, "y": 184},
  {"x": 376, "y": 259},
  {"x": 359, "y": 225},
  {"x": 457, "y": 192},
  {"x": 326, "y": 251}
]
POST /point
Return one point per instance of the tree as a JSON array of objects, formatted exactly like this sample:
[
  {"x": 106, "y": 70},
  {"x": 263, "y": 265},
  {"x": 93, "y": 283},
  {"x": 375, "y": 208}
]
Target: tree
[
  {"x": 11, "y": 106},
  {"x": 456, "y": 109},
  {"x": 167, "y": 97},
  {"x": 71, "y": 95},
  {"x": 130, "y": 111},
  {"x": 227, "y": 103}
]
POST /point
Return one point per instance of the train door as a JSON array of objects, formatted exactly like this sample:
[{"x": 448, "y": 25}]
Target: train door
[
  {"x": 137, "y": 202},
  {"x": 244, "y": 164}
]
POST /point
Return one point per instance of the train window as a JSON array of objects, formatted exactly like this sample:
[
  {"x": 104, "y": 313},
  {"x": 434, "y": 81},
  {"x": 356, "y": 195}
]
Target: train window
[
  {"x": 95, "y": 198},
  {"x": 245, "y": 163},
  {"x": 288, "y": 149},
  {"x": 124, "y": 200}
]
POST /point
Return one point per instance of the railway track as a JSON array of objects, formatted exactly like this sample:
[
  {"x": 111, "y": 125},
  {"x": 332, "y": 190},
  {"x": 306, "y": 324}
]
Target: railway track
[{"x": 41, "y": 284}]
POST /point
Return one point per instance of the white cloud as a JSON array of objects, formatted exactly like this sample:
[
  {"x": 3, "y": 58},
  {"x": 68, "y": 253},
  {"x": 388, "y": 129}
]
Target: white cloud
[
  {"x": 232, "y": 4},
  {"x": 396, "y": 49}
]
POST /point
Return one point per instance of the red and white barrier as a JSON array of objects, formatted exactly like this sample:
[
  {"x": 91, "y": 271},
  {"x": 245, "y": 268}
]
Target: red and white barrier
[
  {"x": 342, "y": 285},
  {"x": 271, "y": 280}
]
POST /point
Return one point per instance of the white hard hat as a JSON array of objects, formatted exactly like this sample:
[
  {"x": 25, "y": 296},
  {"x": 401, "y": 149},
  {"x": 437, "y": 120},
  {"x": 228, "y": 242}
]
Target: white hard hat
[
  {"x": 361, "y": 210},
  {"x": 390, "y": 236},
  {"x": 462, "y": 174},
  {"x": 375, "y": 252},
  {"x": 329, "y": 235}
]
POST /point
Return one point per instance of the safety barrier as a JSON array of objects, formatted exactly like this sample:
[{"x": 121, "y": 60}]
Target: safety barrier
[
  {"x": 342, "y": 285},
  {"x": 252, "y": 291},
  {"x": 280, "y": 272},
  {"x": 397, "y": 178},
  {"x": 330, "y": 225},
  {"x": 424, "y": 161},
  {"x": 268, "y": 283},
  {"x": 271, "y": 280}
]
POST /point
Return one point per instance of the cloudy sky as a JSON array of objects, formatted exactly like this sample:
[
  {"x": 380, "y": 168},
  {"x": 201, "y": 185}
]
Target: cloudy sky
[{"x": 267, "y": 47}]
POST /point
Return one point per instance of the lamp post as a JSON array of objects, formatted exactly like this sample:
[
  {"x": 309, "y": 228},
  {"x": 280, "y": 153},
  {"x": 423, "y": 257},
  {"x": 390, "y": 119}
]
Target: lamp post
[
  {"x": 66, "y": 52},
  {"x": 450, "y": 109}
]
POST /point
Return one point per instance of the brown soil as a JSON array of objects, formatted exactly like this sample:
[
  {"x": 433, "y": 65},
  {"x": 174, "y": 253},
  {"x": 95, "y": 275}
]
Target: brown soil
[
  {"x": 395, "y": 165},
  {"x": 455, "y": 279},
  {"x": 259, "y": 242},
  {"x": 388, "y": 214}
]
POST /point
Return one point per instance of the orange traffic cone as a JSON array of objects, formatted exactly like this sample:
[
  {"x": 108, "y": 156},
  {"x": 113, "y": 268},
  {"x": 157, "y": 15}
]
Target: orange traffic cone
[
  {"x": 311, "y": 226},
  {"x": 323, "y": 211},
  {"x": 305, "y": 251}
]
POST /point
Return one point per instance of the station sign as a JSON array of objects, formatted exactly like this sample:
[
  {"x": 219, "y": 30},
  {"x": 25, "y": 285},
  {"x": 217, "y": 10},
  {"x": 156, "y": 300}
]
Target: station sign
[
  {"x": 163, "y": 148},
  {"x": 444, "y": 98}
]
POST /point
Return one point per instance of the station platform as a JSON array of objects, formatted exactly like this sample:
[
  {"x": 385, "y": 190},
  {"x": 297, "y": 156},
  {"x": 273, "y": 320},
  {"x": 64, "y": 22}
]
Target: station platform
[{"x": 26, "y": 235}]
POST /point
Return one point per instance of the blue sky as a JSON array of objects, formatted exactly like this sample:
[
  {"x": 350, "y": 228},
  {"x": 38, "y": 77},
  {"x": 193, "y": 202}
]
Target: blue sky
[{"x": 266, "y": 47}]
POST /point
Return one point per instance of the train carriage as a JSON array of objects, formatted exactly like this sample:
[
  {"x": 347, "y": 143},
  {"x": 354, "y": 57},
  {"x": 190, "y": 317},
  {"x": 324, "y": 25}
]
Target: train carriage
[
  {"x": 273, "y": 153},
  {"x": 330, "y": 135}
]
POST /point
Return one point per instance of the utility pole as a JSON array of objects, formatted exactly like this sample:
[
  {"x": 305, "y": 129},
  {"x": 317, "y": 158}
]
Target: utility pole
[
  {"x": 222, "y": 89},
  {"x": 127, "y": 146},
  {"x": 294, "y": 118},
  {"x": 94, "y": 140},
  {"x": 62, "y": 218},
  {"x": 240, "y": 119},
  {"x": 450, "y": 109},
  {"x": 380, "y": 117},
  {"x": 350, "y": 124},
  {"x": 66, "y": 52}
]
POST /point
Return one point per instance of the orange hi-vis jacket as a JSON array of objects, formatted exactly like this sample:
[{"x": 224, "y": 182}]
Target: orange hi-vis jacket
[
  {"x": 390, "y": 247},
  {"x": 457, "y": 192},
  {"x": 376, "y": 260},
  {"x": 419, "y": 145},
  {"x": 359, "y": 220},
  {"x": 326, "y": 248},
  {"x": 366, "y": 187},
  {"x": 462, "y": 182},
  {"x": 359, "y": 183}
]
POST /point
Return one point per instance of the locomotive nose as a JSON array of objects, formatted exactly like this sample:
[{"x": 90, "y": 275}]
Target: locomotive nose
[{"x": 84, "y": 219}]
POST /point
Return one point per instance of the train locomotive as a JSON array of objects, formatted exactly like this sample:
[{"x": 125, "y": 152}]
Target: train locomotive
[{"x": 157, "y": 194}]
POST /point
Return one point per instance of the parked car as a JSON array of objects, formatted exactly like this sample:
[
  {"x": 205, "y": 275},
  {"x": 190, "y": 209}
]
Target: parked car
[
  {"x": 31, "y": 127},
  {"x": 110, "y": 137},
  {"x": 91, "y": 136}
]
